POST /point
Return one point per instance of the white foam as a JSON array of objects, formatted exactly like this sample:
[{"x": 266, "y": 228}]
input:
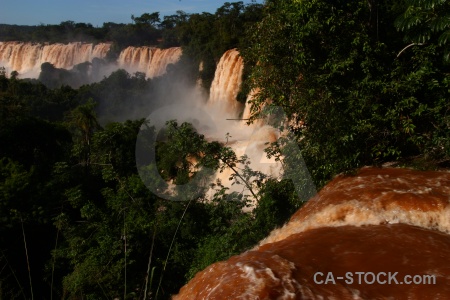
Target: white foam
[{"x": 358, "y": 213}]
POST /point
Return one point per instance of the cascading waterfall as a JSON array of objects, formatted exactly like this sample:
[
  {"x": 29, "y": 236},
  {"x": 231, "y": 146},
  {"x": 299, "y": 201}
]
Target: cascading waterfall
[
  {"x": 227, "y": 82},
  {"x": 244, "y": 139},
  {"x": 27, "y": 58},
  {"x": 149, "y": 60}
]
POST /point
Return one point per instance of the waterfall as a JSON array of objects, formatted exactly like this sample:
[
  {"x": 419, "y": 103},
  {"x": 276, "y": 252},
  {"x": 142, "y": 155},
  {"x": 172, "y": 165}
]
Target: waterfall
[
  {"x": 222, "y": 106},
  {"x": 227, "y": 82},
  {"x": 149, "y": 60},
  {"x": 244, "y": 139},
  {"x": 26, "y": 58},
  {"x": 359, "y": 238}
]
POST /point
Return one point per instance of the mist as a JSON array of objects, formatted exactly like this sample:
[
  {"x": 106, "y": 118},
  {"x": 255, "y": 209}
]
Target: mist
[{"x": 154, "y": 84}]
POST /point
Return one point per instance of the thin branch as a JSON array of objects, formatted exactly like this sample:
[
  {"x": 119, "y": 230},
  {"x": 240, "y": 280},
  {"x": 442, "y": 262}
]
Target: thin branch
[
  {"x": 14, "y": 274},
  {"x": 123, "y": 186},
  {"x": 170, "y": 248},
  {"x": 54, "y": 259},
  {"x": 28, "y": 262},
  {"x": 239, "y": 175},
  {"x": 125, "y": 242},
  {"x": 103, "y": 290},
  {"x": 149, "y": 263},
  {"x": 53, "y": 264},
  {"x": 410, "y": 45}
]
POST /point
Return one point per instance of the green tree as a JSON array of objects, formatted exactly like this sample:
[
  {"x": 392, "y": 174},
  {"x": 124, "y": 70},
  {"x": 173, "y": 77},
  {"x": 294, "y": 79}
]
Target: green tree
[
  {"x": 333, "y": 68},
  {"x": 205, "y": 37},
  {"x": 146, "y": 18},
  {"x": 426, "y": 22},
  {"x": 179, "y": 156},
  {"x": 83, "y": 122}
]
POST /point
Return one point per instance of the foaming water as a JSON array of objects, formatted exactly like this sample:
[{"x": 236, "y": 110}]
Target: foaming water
[
  {"x": 376, "y": 196},
  {"x": 218, "y": 121},
  {"x": 381, "y": 221},
  {"x": 252, "y": 145}
]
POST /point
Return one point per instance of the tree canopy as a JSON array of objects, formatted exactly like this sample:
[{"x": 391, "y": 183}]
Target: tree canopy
[
  {"x": 336, "y": 70},
  {"x": 70, "y": 188}
]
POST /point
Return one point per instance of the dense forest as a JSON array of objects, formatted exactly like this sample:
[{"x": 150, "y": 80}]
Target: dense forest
[
  {"x": 70, "y": 189},
  {"x": 362, "y": 82}
]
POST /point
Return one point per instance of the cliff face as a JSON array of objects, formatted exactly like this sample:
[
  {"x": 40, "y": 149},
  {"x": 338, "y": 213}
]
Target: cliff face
[{"x": 359, "y": 238}]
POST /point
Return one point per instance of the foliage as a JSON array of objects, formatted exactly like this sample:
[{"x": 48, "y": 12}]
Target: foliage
[
  {"x": 426, "y": 22},
  {"x": 178, "y": 157},
  {"x": 143, "y": 31},
  {"x": 353, "y": 102},
  {"x": 205, "y": 37},
  {"x": 29, "y": 193},
  {"x": 74, "y": 186}
]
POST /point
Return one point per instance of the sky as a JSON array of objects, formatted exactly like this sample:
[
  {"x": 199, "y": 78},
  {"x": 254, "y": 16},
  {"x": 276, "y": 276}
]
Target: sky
[{"x": 96, "y": 12}]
